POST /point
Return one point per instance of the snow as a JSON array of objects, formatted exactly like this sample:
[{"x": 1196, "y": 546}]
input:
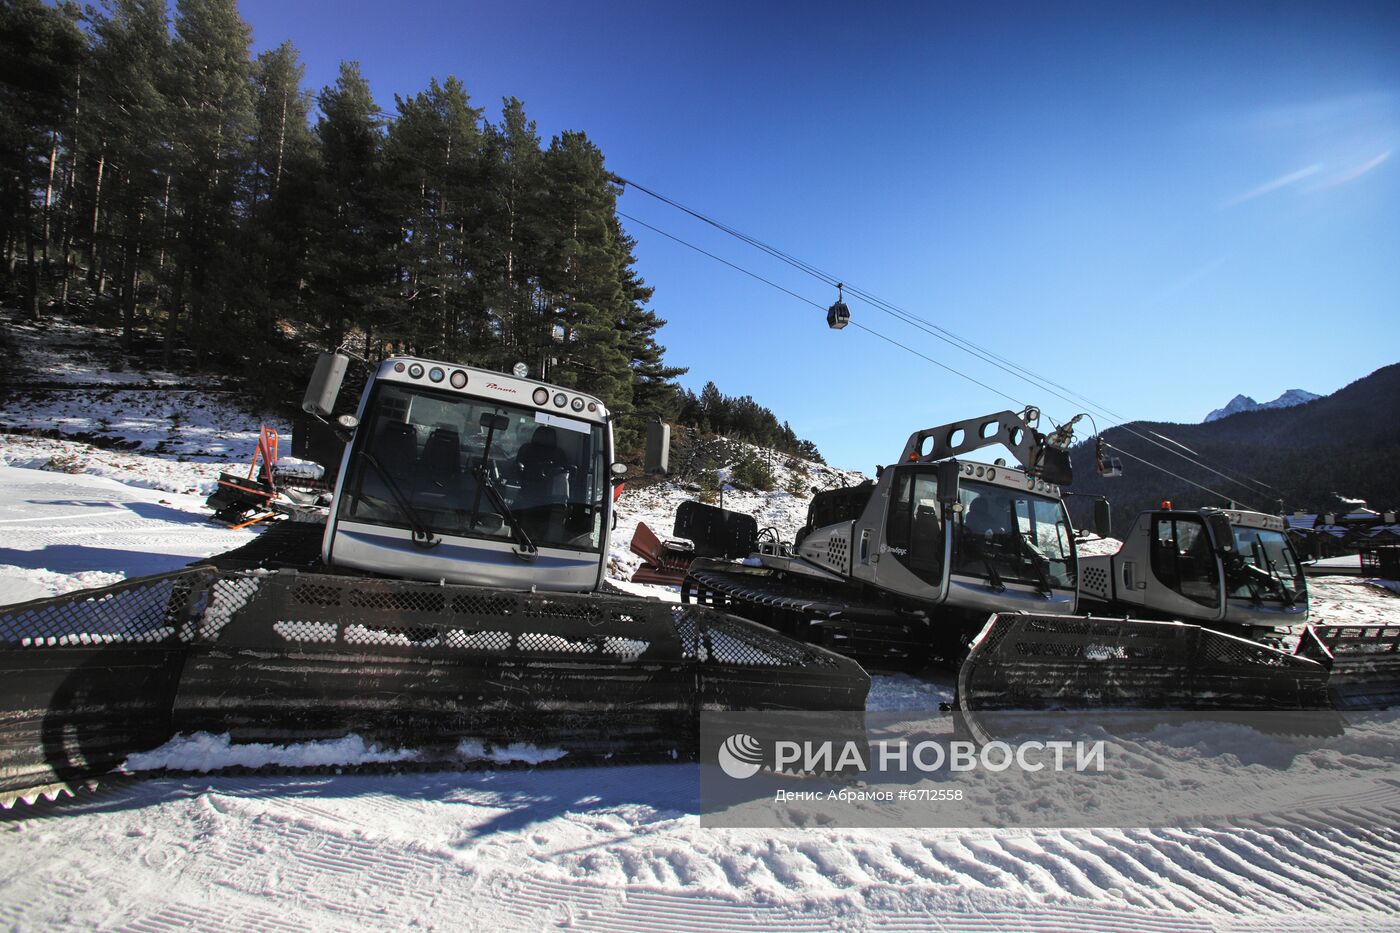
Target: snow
[
  {"x": 515, "y": 752},
  {"x": 61, "y": 532},
  {"x": 1092, "y": 545},
  {"x": 655, "y": 503},
  {"x": 1241, "y": 403},
  {"x": 204, "y": 752},
  {"x": 614, "y": 848},
  {"x": 1346, "y": 563}
]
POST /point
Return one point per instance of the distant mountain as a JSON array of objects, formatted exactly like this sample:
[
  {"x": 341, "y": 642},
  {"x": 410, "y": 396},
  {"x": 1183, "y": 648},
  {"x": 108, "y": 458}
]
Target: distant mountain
[
  {"x": 1244, "y": 403},
  {"x": 1300, "y": 454}
]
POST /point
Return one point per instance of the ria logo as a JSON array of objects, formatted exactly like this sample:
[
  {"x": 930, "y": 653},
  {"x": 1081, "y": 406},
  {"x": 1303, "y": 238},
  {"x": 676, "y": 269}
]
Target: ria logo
[{"x": 740, "y": 756}]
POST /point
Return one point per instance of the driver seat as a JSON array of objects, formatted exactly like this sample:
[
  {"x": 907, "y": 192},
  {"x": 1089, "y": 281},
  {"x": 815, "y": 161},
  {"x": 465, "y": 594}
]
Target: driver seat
[{"x": 543, "y": 468}]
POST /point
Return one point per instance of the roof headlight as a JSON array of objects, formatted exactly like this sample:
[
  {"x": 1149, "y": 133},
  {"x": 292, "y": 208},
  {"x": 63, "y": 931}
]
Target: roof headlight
[
  {"x": 398, "y": 367},
  {"x": 436, "y": 374},
  {"x": 576, "y": 404},
  {"x": 560, "y": 400},
  {"x": 416, "y": 371},
  {"x": 459, "y": 379},
  {"x": 541, "y": 396}
]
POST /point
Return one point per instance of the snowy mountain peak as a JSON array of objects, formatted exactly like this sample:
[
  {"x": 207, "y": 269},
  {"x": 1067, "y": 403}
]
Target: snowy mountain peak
[{"x": 1244, "y": 403}]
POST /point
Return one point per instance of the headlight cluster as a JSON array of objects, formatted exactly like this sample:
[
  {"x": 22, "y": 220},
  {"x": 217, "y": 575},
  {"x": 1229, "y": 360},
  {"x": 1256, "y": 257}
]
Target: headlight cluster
[{"x": 458, "y": 379}]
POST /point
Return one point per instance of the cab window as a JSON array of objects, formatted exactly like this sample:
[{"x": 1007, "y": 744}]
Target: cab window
[
  {"x": 914, "y": 531},
  {"x": 1182, "y": 558}
]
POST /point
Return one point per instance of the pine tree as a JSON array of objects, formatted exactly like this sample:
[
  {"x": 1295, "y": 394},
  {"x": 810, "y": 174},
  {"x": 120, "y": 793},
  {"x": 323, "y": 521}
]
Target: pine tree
[
  {"x": 431, "y": 157},
  {"x": 714, "y": 415},
  {"x": 508, "y": 240},
  {"x": 210, "y": 87},
  {"x": 582, "y": 273},
  {"x": 348, "y": 257},
  {"x": 653, "y": 389},
  {"x": 282, "y": 182}
]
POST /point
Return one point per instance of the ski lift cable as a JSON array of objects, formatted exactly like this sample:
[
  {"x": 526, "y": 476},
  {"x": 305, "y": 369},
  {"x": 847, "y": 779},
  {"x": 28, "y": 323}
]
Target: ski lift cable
[
  {"x": 1155, "y": 466},
  {"x": 939, "y": 332},
  {"x": 947, "y": 336},
  {"x": 1045, "y": 385},
  {"x": 816, "y": 305},
  {"x": 930, "y": 359},
  {"x": 905, "y": 347},
  {"x": 737, "y": 268},
  {"x": 879, "y": 304}
]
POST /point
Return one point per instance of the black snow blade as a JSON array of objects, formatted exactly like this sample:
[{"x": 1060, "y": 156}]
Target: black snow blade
[
  {"x": 94, "y": 677},
  {"x": 716, "y": 532},
  {"x": 90, "y": 677},
  {"x": 309, "y": 656},
  {"x": 1364, "y": 661},
  {"x": 1049, "y": 662},
  {"x": 871, "y": 634}
]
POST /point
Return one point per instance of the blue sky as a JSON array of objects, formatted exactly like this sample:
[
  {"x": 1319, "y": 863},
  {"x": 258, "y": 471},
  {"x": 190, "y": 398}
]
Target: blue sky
[{"x": 1155, "y": 205}]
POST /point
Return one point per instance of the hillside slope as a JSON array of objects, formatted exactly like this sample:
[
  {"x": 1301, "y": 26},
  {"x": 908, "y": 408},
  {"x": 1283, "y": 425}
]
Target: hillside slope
[{"x": 1346, "y": 442}]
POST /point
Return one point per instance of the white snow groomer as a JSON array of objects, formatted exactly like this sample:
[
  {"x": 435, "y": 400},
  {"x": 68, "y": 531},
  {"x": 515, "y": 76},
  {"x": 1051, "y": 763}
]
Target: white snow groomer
[
  {"x": 453, "y": 602},
  {"x": 976, "y": 563}
]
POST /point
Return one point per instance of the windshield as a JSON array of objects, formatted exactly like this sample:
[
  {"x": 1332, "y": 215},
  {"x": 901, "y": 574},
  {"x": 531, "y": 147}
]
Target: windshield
[
  {"x": 1016, "y": 536},
  {"x": 424, "y": 450},
  {"x": 1270, "y": 552}
]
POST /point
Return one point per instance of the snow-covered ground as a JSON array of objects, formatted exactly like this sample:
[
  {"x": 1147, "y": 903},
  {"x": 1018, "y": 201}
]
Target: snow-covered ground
[
  {"x": 1346, "y": 564},
  {"x": 586, "y": 848}
]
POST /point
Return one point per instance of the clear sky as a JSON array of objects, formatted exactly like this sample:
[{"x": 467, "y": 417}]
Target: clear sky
[{"x": 1156, "y": 205}]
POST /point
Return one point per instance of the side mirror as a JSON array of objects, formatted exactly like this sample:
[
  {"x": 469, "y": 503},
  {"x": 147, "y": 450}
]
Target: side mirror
[
  {"x": 1103, "y": 518},
  {"x": 324, "y": 386},
  {"x": 658, "y": 455},
  {"x": 1221, "y": 531},
  {"x": 949, "y": 476}
]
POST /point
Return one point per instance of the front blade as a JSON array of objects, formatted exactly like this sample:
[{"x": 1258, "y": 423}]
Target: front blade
[
  {"x": 300, "y": 657},
  {"x": 88, "y": 678},
  {"x": 1045, "y": 662},
  {"x": 1364, "y": 660}
]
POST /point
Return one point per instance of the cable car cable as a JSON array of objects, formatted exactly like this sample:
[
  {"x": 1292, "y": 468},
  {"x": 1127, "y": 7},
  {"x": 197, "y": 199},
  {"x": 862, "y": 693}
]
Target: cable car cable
[{"x": 937, "y": 331}]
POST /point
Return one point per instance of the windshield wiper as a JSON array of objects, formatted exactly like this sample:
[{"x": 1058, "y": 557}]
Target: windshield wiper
[
  {"x": 486, "y": 483},
  {"x": 1284, "y": 592},
  {"x": 1041, "y": 563},
  {"x": 527, "y": 550},
  {"x": 1238, "y": 570},
  {"x": 422, "y": 535}
]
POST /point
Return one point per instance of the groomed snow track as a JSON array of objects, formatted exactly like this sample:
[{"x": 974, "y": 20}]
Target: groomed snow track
[{"x": 93, "y": 677}]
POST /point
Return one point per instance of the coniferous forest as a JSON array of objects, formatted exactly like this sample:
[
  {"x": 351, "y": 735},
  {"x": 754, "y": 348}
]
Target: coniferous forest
[{"x": 157, "y": 176}]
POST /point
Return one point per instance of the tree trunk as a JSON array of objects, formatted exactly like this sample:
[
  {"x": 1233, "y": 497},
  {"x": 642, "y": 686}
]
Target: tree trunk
[
  {"x": 281, "y": 143},
  {"x": 172, "y": 319},
  {"x": 93, "y": 250},
  {"x": 31, "y": 297},
  {"x": 131, "y": 279},
  {"x": 48, "y": 197},
  {"x": 164, "y": 225}
]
